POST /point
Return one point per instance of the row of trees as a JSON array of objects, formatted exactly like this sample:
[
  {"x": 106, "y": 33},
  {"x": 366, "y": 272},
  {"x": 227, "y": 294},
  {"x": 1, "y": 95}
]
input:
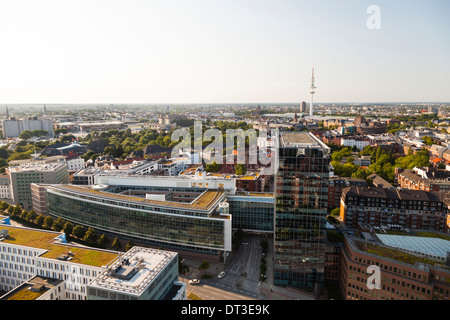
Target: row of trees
[{"x": 76, "y": 233}]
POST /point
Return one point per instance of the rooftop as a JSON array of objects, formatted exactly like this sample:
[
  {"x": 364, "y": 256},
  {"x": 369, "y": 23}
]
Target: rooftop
[
  {"x": 203, "y": 202},
  {"x": 32, "y": 289},
  {"x": 432, "y": 247},
  {"x": 300, "y": 139},
  {"x": 134, "y": 271},
  {"x": 38, "y": 167},
  {"x": 53, "y": 249}
]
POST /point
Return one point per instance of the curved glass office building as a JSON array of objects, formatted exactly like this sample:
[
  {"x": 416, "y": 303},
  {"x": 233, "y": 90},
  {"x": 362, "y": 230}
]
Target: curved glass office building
[{"x": 193, "y": 225}]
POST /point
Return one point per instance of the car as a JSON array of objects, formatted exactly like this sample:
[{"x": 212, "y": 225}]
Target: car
[
  {"x": 194, "y": 281},
  {"x": 221, "y": 275}
]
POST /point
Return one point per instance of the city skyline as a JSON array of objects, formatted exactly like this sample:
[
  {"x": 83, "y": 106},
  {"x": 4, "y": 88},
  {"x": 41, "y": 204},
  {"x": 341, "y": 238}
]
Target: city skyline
[{"x": 223, "y": 52}]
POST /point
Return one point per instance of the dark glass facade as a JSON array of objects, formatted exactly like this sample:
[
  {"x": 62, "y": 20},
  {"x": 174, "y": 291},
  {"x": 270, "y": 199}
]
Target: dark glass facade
[
  {"x": 301, "y": 195},
  {"x": 162, "y": 226},
  {"x": 252, "y": 213}
]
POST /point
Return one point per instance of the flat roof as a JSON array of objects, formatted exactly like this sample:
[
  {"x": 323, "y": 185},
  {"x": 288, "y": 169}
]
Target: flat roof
[
  {"x": 38, "y": 167},
  {"x": 132, "y": 272},
  {"x": 51, "y": 248},
  {"x": 433, "y": 247},
  {"x": 300, "y": 139},
  {"x": 32, "y": 289},
  {"x": 204, "y": 202}
]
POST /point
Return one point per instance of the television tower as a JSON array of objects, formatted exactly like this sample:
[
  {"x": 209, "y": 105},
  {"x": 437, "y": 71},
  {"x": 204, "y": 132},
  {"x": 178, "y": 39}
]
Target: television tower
[{"x": 313, "y": 91}]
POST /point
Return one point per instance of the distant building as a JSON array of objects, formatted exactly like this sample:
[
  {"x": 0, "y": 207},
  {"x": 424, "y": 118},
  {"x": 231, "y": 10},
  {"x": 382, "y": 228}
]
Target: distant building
[{"x": 12, "y": 128}]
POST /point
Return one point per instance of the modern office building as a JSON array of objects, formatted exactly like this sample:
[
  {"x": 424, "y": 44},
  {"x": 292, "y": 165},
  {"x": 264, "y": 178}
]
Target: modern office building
[
  {"x": 22, "y": 177},
  {"x": 301, "y": 195},
  {"x": 40, "y": 265},
  {"x": 182, "y": 219},
  {"x": 252, "y": 212}
]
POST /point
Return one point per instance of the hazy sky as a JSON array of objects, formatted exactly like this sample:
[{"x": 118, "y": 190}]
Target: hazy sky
[{"x": 201, "y": 51}]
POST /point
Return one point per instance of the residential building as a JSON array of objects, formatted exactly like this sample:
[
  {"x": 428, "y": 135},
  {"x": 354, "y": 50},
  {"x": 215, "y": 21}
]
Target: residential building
[
  {"x": 413, "y": 180},
  {"x": 354, "y": 141},
  {"x": 414, "y": 209},
  {"x": 301, "y": 196},
  {"x": 337, "y": 184}
]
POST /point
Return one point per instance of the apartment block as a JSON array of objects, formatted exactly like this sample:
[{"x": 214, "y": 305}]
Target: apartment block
[{"x": 414, "y": 209}]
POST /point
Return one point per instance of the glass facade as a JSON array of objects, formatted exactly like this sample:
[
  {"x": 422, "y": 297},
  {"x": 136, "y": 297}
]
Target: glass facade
[
  {"x": 301, "y": 196},
  {"x": 174, "y": 229},
  {"x": 252, "y": 213}
]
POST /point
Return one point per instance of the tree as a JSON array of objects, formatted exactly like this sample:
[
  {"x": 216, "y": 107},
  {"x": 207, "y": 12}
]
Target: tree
[
  {"x": 31, "y": 216},
  {"x": 129, "y": 245},
  {"x": 204, "y": 266},
  {"x": 103, "y": 241},
  {"x": 25, "y": 135},
  {"x": 59, "y": 224},
  {"x": 39, "y": 220},
  {"x": 240, "y": 169},
  {"x": 116, "y": 245},
  {"x": 90, "y": 237},
  {"x": 68, "y": 228},
  {"x": 48, "y": 222},
  {"x": 212, "y": 167},
  {"x": 336, "y": 212},
  {"x": 79, "y": 232}
]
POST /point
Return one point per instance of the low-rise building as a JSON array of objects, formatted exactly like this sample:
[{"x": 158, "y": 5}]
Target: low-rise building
[
  {"x": 40, "y": 265},
  {"x": 400, "y": 275}
]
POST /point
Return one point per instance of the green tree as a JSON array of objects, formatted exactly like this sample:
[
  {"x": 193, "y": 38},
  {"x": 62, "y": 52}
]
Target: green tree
[
  {"x": 48, "y": 222},
  {"x": 129, "y": 245},
  {"x": 25, "y": 135},
  {"x": 204, "y": 266},
  {"x": 31, "y": 217},
  {"x": 103, "y": 241},
  {"x": 90, "y": 236},
  {"x": 59, "y": 224},
  {"x": 68, "y": 228},
  {"x": 79, "y": 232},
  {"x": 212, "y": 167},
  {"x": 116, "y": 245},
  {"x": 39, "y": 220},
  {"x": 240, "y": 169}
]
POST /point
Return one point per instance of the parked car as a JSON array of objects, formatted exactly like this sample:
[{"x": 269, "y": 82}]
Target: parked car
[
  {"x": 221, "y": 275},
  {"x": 194, "y": 281}
]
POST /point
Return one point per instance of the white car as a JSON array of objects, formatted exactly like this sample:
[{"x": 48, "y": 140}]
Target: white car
[
  {"x": 194, "y": 281},
  {"x": 221, "y": 275}
]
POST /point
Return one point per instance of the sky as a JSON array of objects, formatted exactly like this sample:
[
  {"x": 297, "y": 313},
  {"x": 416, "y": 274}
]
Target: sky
[{"x": 223, "y": 51}]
